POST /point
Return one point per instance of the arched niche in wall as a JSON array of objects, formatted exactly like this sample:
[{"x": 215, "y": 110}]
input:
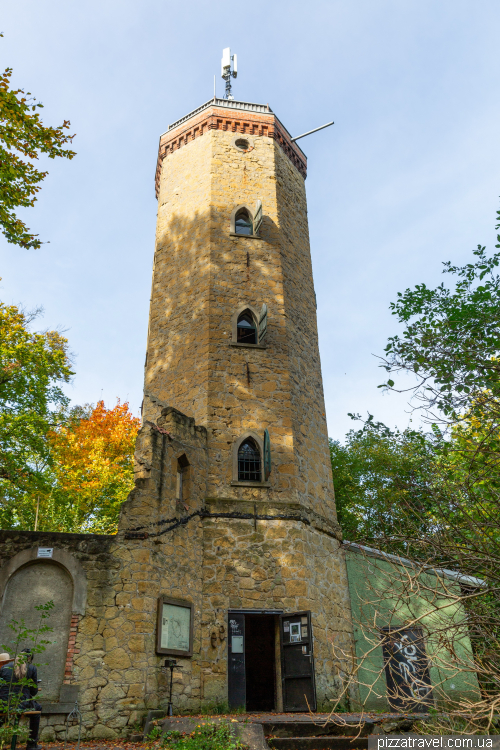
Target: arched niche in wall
[{"x": 27, "y": 581}]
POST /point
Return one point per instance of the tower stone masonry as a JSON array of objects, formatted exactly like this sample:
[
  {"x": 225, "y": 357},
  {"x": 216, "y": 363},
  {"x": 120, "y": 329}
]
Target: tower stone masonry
[{"x": 257, "y": 546}]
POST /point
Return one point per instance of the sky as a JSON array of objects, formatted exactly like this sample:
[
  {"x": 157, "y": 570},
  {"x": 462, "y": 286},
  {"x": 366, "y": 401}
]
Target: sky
[{"x": 408, "y": 177}]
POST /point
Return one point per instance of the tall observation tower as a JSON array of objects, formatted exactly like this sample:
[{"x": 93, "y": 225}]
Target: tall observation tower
[{"x": 237, "y": 495}]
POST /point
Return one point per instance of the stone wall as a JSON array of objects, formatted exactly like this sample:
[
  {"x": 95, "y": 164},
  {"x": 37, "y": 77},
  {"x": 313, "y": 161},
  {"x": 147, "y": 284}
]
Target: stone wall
[{"x": 78, "y": 578}]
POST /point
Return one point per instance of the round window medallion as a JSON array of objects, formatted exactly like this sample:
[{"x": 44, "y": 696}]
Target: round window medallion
[{"x": 242, "y": 144}]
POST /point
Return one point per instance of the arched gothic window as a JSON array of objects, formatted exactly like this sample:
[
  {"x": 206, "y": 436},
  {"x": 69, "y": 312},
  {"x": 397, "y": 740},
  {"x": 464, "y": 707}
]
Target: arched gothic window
[
  {"x": 243, "y": 223},
  {"x": 246, "y": 330},
  {"x": 249, "y": 462}
]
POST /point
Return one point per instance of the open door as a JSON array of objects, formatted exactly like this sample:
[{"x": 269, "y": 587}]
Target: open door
[
  {"x": 237, "y": 695},
  {"x": 297, "y": 662}
]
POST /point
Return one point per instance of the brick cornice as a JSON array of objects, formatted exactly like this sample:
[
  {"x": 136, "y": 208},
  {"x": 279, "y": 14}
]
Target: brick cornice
[{"x": 234, "y": 121}]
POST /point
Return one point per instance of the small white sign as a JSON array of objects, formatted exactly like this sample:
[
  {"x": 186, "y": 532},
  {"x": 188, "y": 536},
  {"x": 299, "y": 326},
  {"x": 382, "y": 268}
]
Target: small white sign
[
  {"x": 237, "y": 644},
  {"x": 45, "y": 552}
]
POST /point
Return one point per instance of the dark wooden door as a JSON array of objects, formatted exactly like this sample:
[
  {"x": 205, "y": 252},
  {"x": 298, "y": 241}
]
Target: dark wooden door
[
  {"x": 297, "y": 662},
  {"x": 407, "y": 670},
  {"x": 237, "y": 696}
]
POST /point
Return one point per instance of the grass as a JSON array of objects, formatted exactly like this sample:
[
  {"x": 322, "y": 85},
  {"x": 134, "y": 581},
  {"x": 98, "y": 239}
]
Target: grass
[{"x": 207, "y": 736}]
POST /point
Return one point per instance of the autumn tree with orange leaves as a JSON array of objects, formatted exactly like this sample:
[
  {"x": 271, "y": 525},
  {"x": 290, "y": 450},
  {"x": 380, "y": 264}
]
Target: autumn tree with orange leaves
[
  {"x": 92, "y": 469},
  {"x": 61, "y": 468}
]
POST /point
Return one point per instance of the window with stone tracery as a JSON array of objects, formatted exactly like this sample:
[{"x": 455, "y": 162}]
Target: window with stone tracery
[{"x": 249, "y": 462}]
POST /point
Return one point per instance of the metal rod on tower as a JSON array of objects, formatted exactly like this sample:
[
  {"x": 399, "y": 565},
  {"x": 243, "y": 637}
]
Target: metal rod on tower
[{"x": 312, "y": 131}]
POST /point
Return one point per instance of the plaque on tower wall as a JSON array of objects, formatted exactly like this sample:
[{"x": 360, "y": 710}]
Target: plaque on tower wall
[{"x": 174, "y": 627}]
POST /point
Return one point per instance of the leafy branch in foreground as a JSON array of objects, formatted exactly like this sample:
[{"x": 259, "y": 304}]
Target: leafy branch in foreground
[
  {"x": 24, "y": 136},
  {"x": 451, "y": 341},
  {"x": 18, "y": 678},
  {"x": 33, "y": 367}
]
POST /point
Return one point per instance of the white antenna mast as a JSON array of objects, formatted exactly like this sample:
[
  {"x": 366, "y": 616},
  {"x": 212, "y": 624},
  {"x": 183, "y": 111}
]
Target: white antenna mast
[{"x": 226, "y": 72}]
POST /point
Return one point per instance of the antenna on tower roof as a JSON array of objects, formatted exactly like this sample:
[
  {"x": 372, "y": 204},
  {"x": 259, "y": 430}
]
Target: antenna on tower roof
[{"x": 226, "y": 72}]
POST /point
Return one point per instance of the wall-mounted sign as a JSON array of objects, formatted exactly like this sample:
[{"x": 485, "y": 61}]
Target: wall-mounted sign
[
  {"x": 174, "y": 628},
  {"x": 295, "y": 632},
  {"x": 237, "y": 644},
  {"x": 44, "y": 552}
]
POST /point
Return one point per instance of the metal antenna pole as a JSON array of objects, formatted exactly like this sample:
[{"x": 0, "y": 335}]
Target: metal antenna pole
[
  {"x": 227, "y": 79},
  {"x": 229, "y": 70}
]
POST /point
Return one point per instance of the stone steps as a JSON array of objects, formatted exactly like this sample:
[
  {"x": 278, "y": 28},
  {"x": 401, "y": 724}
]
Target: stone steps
[{"x": 331, "y": 742}]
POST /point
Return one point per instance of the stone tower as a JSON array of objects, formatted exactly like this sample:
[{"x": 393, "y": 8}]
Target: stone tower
[{"x": 234, "y": 506}]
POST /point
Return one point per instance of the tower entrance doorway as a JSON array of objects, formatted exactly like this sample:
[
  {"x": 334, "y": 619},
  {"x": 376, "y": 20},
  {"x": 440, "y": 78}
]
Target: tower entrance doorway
[
  {"x": 270, "y": 661},
  {"x": 260, "y": 663}
]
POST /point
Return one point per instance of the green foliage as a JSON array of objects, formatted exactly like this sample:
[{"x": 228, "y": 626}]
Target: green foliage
[
  {"x": 220, "y": 708},
  {"x": 451, "y": 341},
  {"x": 23, "y": 134},
  {"x": 8, "y": 729},
  {"x": 155, "y": 733},
  {"x": 206, "y": 736},
  {"x": 382, "y": 481},
  {"x": 32, "y": 368},
  {"x": 22, "y": 637},
  {"x": 435, "y": 497}
]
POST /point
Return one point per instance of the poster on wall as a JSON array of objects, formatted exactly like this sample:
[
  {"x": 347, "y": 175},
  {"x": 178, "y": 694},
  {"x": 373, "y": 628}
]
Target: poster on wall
[
  {"x": 174, "y": 627},
  {"x": 295, "y": 632}
]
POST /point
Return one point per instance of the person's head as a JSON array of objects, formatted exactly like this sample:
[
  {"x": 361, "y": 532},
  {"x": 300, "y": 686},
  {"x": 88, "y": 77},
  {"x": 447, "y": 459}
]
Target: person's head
[
  {"x": 21, "y": 663},
  {"x": 4, "y": 658},
  {"x": 28, "y": 655}
]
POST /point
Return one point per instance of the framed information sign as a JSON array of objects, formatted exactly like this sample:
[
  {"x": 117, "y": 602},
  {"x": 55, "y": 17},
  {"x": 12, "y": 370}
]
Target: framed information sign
[{"x": 174, "y": 627}]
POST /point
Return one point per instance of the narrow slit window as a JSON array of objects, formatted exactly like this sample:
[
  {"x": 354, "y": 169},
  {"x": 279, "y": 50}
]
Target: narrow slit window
[
  {"x": 182, "y": 475},
  {"x": 249, "y": 462},
  {"x": 246, "y": 329},
  {"x": 243, "y": 223}
]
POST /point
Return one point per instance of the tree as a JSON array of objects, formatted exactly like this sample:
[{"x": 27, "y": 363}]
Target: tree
[
  {"x": 379, "y": 476},
  {"x": 451, "y": 341},
  {"x": 23, "y": 134},
  {"x": 451, "y": 344},
  {"x": 33, "y": 367},
  {"x": 92, "y": 469}
]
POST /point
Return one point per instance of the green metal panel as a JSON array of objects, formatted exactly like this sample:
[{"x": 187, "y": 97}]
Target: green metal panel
[{"x": 382, "y": 595}]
